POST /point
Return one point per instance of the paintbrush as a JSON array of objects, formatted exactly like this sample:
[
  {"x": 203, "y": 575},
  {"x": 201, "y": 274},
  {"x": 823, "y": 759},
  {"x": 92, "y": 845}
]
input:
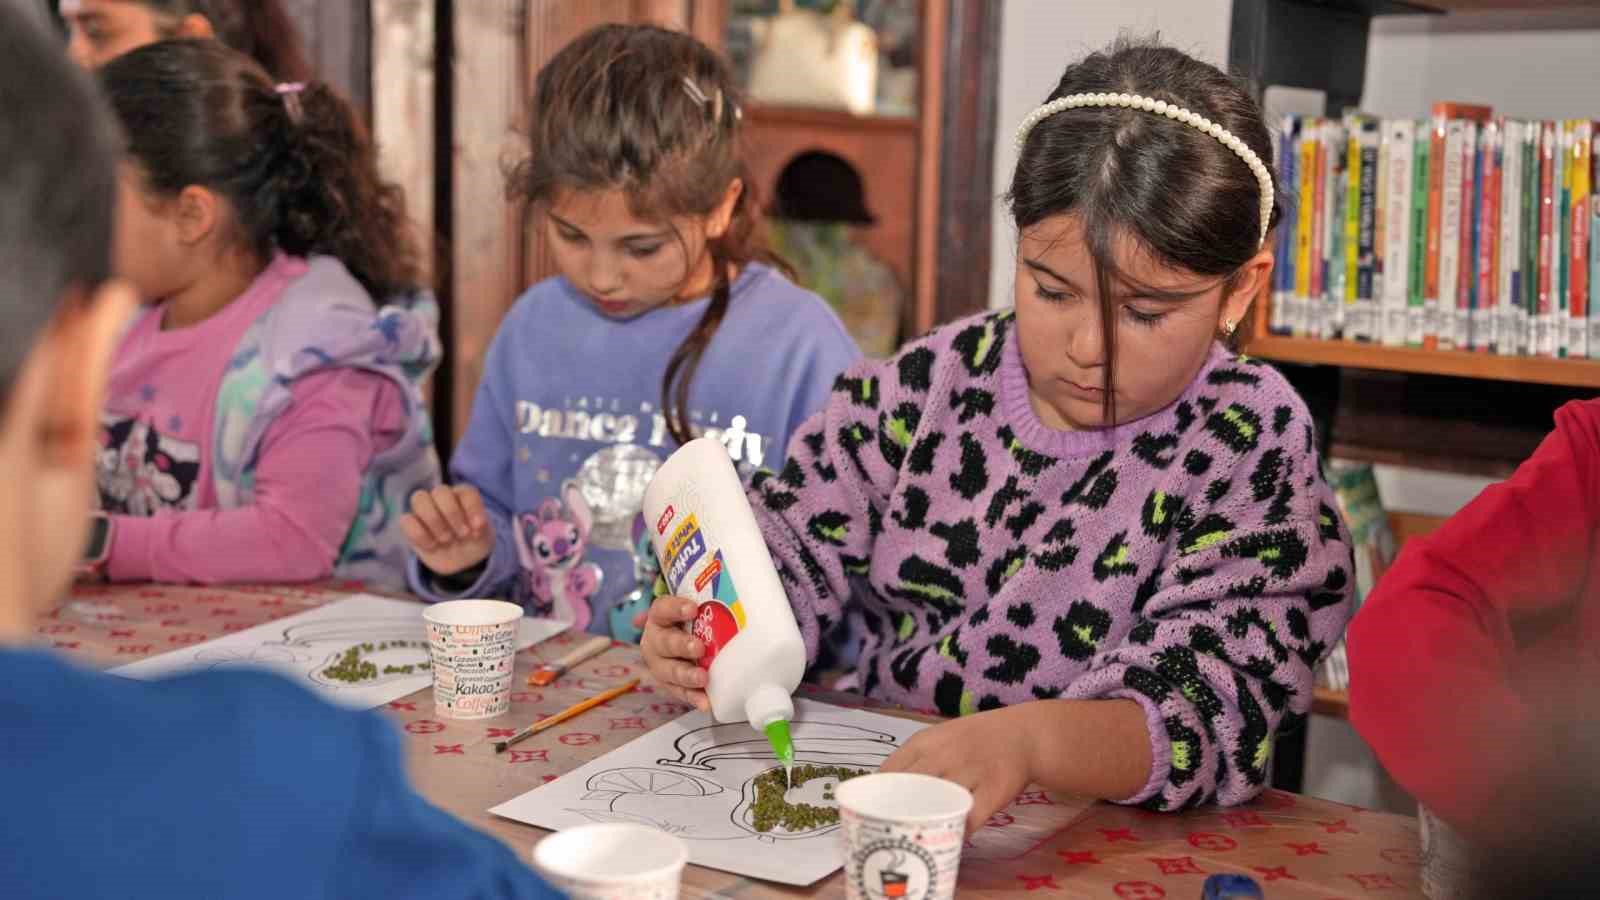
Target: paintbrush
[
  {"x": 549, "y": 672},
  {"x": 566, "y": 714}
]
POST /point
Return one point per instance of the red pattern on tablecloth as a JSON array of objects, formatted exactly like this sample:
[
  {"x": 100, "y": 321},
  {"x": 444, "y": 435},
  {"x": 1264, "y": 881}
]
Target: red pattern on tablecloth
[
  {"x": 1078, "y": 858},
  {"x": 1178, "y": 865},
  {"x": 1040, "y": 838},
  {"x": 1211, "y": 842}
]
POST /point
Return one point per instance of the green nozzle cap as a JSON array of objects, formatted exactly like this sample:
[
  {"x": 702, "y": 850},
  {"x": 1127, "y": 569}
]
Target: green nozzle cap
[{"x": 782, "y": 744}]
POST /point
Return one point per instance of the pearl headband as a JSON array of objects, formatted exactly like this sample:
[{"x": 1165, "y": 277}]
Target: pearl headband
[
  {"x": 290, "y": 92},
  {"x": 1171, "y": 111}
]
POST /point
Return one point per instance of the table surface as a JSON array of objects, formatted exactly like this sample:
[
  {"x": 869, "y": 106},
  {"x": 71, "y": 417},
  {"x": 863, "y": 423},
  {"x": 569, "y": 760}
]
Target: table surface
[{"x": 1043, "y": 844}]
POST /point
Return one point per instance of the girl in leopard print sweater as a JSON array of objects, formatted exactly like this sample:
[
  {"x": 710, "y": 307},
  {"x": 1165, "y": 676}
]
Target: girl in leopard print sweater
[{"x": 1083, "y": 528}]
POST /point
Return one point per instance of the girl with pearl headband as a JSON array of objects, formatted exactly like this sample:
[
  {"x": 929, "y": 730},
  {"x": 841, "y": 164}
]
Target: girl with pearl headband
[{"x": 1082, "y": 528}]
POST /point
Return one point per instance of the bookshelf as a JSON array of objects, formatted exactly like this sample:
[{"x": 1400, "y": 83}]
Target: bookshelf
[{"x": 1580, "y": 373}]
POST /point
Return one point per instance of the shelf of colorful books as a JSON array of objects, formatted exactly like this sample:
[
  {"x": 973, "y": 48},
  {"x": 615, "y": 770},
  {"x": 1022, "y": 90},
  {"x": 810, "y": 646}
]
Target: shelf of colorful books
[{"x": 1583, "y": 373}]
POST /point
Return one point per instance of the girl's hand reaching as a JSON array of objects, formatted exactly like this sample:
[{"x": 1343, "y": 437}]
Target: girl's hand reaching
[
  {"x": 448, "y": 528},
  {"x": 671, "y": 653},
  {"x": 989, "y": 754}
]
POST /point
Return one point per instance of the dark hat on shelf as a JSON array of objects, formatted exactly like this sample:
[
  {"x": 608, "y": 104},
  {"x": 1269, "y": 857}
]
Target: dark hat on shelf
[{"x": 818, "y": 186}]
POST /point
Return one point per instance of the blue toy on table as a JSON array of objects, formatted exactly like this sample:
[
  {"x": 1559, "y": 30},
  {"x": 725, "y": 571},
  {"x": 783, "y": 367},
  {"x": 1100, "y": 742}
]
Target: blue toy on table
[{"x": 1231, "y": 887}]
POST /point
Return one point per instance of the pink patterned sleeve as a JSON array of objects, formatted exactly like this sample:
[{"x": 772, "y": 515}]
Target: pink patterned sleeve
[{"x": 308, "y": 482}]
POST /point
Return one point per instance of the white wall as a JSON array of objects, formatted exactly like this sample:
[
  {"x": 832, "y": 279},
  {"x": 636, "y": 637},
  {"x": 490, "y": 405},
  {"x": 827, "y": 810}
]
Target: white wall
[
  {"x": 1039, "y": 37},
  {"x": 1535, "y": 65}
]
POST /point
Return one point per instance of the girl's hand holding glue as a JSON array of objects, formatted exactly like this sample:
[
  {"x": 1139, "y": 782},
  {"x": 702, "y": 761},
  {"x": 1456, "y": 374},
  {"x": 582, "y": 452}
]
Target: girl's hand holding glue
[
  {"x": 448, "y": 528},
  {"x": 671, "y": 653}
]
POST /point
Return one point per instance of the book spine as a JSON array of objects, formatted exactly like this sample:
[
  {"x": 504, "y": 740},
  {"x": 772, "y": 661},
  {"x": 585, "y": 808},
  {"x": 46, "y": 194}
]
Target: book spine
[
  {"x": 1578, "y": 336},
  {"x": 1400, "y": 142},
  {"x": 1366, "y": 234},
  {"x": 1283, "y": 276},
  {"x": 1594, "y": 242},
  {"x": 1319, "y": 321},
  {"x": 1438, "y": 146},
  {"x": 1380, "y": 223},
  {"x": 1485, "y": 226},
  {"x": 1467, "y": 263},
  {"x": 1302, "y": 266},
  {"x": 1331, "y": 219},
  {"x": 1352, "y": 214},
  {"x": 1545, "y": 325},
  {"x": 1416, "y": 308},
  {"x": 1508, "y": 292},
  {"x": 1560, "y": 267},
  {"x": 1531, "y": 169},
  {"x": 1450, "y": 231}
]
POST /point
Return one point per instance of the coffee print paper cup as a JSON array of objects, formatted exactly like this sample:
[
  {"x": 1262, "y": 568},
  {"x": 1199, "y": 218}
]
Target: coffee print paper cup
[
  {"x": 613, "y": 861},
  {"x": 902, "y": 835},
  {"x": 474, "y": 647}
]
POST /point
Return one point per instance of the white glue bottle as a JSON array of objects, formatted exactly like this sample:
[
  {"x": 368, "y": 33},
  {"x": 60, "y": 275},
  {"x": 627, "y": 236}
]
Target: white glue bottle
[{"x": 711, "y": 551}]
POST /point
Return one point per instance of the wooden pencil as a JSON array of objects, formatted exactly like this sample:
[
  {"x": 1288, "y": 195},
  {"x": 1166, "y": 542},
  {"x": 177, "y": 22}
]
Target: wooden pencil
[{"x": 566, "y": 714}]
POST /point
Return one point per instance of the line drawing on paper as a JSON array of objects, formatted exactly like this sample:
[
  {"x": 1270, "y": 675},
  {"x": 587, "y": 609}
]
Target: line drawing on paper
[{"x": 705, "y": 789}]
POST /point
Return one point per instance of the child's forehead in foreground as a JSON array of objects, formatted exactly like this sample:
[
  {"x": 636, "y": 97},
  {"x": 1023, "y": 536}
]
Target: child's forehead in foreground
[{"x": 1056, "y": 248}]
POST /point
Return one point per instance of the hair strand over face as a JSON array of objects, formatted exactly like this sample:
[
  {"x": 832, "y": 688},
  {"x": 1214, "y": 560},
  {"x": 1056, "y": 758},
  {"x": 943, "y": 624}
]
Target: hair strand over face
[{"x": 1138, "y": 180}]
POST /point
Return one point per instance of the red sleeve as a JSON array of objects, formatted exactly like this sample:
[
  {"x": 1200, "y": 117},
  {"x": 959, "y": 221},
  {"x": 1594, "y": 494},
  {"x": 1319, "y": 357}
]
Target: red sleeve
[
  {"x": 308, "y": 482},
  {"x": 1433, "y": 650}
]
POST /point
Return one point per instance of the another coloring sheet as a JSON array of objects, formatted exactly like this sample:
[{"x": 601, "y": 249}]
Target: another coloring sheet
[
  {"x": 361, "y": 652},
  {"x": 705, "y": 782}
]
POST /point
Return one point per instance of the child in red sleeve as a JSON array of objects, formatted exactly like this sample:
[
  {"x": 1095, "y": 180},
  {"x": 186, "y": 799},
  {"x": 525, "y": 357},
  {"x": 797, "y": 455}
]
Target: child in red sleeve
[{"x": 1469, "y": 659}]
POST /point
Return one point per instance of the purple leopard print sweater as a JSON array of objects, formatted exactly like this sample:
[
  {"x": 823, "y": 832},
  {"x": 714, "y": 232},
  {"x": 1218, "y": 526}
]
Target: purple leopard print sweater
[{"x": 1191, "y": 561}]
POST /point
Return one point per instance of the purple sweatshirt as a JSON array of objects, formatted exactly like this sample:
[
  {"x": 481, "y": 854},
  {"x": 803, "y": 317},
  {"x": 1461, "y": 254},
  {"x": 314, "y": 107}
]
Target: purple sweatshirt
[{"x": 1191, "y": 560}]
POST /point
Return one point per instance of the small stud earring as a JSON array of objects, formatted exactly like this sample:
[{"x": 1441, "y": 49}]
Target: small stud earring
[{"x": 1227, "y": 327}]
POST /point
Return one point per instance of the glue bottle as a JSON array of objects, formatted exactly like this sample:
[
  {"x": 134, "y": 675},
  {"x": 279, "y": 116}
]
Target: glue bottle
[{"x": 711, "y": 551}]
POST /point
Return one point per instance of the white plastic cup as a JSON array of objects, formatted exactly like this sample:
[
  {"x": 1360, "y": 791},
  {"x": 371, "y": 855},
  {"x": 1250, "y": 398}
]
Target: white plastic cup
[
  {"x": 902, "y": 835},
  {"x": 473, "y": 644},
  {"x": 613, "y": 861}
]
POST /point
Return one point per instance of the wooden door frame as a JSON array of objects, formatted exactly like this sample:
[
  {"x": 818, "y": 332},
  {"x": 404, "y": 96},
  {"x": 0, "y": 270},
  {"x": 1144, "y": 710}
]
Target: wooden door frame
[{"x": 968, "y": 106}]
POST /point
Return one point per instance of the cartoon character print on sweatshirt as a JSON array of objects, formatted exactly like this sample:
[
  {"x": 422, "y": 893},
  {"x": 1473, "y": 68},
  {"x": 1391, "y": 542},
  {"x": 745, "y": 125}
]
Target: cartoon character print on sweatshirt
[
  {"x": 142, "y": 471},
  {"x": 551, "y": 542}
]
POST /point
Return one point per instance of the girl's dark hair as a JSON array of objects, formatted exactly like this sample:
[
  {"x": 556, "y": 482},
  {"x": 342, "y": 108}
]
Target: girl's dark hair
[
  {"x": 655, "y": 114},
  {"x": 298, "y": 169},
  {"x": 259, "y": 29},
  {"x": 1176, "y": 191}
]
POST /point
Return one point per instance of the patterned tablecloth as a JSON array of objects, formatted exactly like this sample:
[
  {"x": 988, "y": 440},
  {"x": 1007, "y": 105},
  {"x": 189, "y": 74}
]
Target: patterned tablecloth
[{"x": 1043, "y": 844}]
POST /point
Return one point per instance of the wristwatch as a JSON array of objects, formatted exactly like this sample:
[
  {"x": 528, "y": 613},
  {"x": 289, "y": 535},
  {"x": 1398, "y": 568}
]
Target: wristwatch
[{"x": 99, "y": 546}]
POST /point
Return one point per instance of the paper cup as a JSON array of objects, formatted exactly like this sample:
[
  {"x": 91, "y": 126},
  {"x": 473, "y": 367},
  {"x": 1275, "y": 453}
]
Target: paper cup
[
  {"x": 902, "y": 835},
  {"x": 1449, "y": 865},
  {"x": 613, "y": 861},
  {"x": 474, "y": 645}
]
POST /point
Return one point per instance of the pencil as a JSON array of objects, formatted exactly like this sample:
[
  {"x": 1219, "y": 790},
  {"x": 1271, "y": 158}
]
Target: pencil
[
  {"x": 566, "y": 714},
  {"x": 549, "y": 672}
]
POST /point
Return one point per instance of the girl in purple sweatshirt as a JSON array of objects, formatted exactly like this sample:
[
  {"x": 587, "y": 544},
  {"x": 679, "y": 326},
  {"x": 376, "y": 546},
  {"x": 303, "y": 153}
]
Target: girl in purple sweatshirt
[{"x": 1083, "y": 528}]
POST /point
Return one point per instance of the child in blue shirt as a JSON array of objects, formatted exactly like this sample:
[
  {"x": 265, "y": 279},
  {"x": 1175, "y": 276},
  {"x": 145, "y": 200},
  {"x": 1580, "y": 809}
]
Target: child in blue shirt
[
  {"x": 231, "y": 784},
  {"x": 668, "y": 320}
]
